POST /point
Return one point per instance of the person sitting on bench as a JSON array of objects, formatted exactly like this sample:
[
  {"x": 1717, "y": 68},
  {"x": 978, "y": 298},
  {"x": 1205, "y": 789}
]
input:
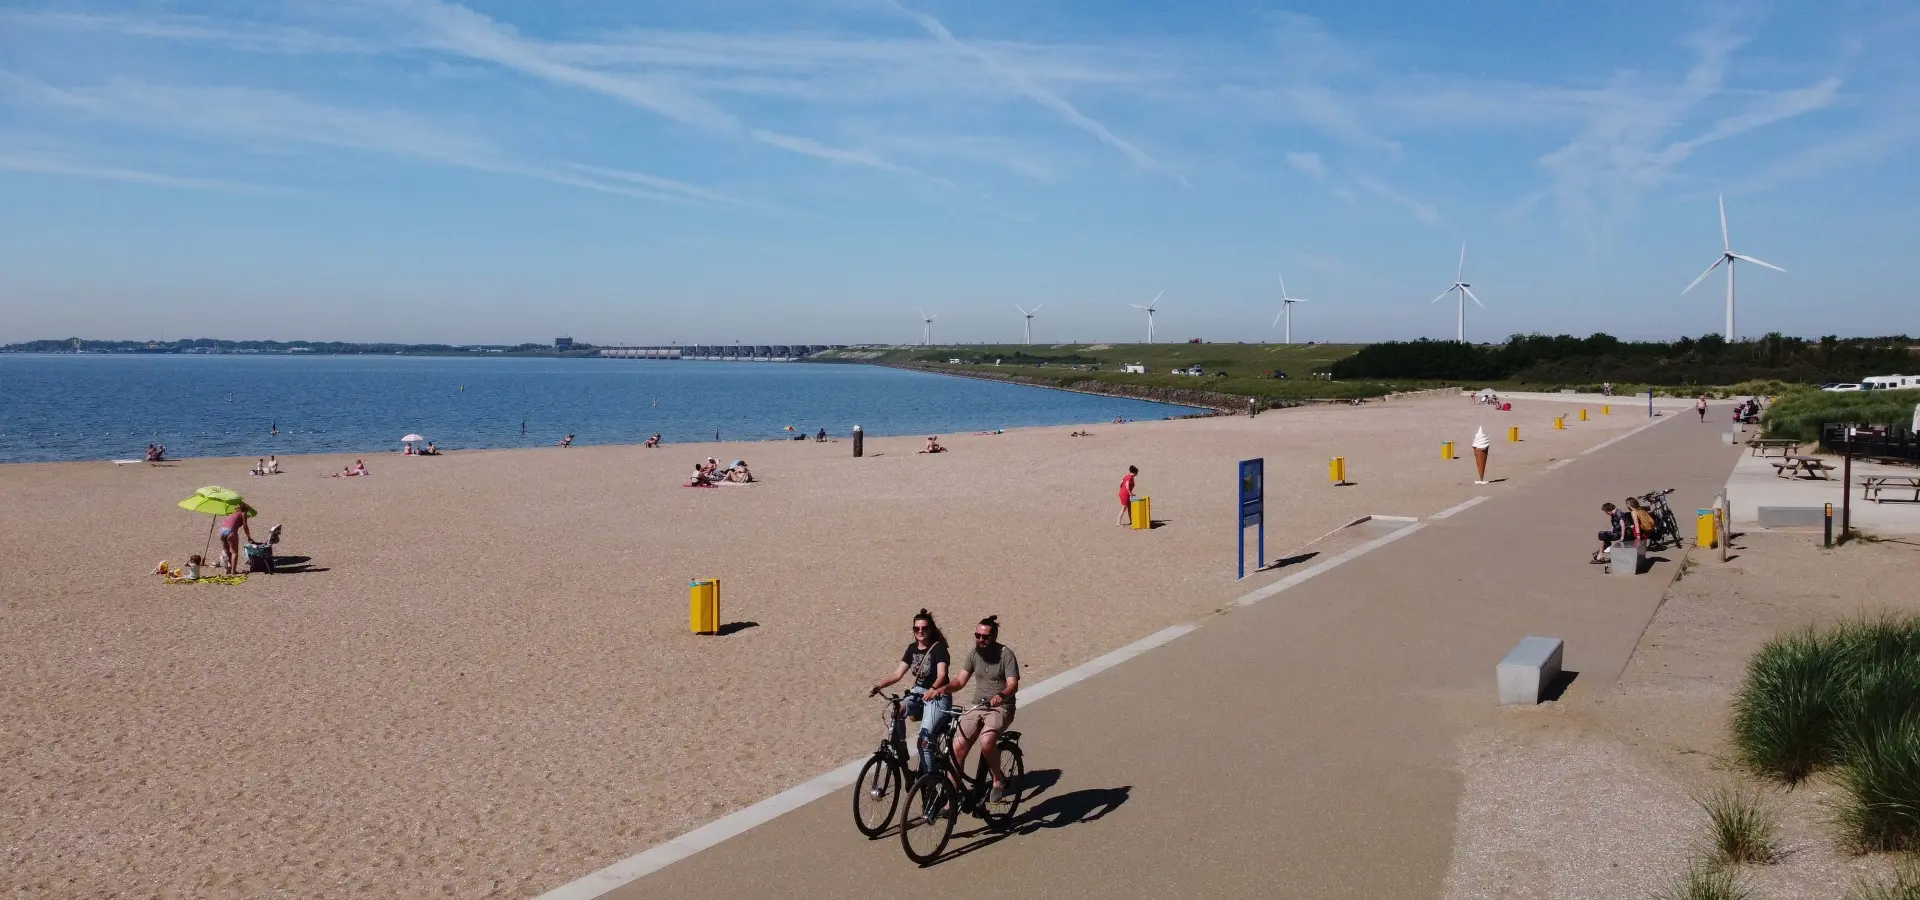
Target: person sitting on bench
[{"x": 1617, "y": 525}]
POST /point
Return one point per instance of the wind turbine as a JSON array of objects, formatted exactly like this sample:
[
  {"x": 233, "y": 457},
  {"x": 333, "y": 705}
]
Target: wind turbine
[
  {"x": 1029, "y": 314},
  {"x": 1729, "y": 257},
  {"x": 1150, "y": 308},
  {"x": 1466, "y": 291},
  {"x": 1286, "y": 308},
  {"x": 926, "y": 327}
]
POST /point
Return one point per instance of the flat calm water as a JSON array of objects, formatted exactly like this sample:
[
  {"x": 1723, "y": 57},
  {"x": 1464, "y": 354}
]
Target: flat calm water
[{"x": 61, "y": 407}]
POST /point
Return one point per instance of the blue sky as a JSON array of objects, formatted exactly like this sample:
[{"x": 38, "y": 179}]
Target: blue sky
[{"x": 819, "y": 170}]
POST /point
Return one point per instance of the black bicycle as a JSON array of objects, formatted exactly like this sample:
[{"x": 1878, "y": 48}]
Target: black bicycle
[
  {"x": 876, "y": 793},
  {"x": 1666, "y": 528},
  {"x": 940, "y": 795}
]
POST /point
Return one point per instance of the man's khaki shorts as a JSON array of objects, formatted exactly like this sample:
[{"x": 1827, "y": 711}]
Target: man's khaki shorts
[{"x": 975, "y": 721}]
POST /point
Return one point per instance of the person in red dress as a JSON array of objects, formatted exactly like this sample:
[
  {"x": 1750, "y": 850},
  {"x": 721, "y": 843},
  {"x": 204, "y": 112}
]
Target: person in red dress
[{"x": 1126, "y": 495}]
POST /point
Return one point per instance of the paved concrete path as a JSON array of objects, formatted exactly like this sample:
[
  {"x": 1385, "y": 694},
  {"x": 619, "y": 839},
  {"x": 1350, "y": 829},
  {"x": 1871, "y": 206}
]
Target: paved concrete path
[{"x": 1303, "y": 746}]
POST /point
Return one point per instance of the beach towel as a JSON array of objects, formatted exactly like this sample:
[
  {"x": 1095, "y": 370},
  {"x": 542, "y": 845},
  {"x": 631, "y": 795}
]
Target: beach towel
[{"x": 210, "y": 579}]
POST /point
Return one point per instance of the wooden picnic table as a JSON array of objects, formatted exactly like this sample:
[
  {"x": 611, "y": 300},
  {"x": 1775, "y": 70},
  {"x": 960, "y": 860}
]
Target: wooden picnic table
[
  {"x": 1802, "y": 466},
  {"x": 1762, "y": 446},
  {"x": 1872, "y": 485}
]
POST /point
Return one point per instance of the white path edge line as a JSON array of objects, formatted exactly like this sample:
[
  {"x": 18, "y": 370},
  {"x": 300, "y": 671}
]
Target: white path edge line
[
  {"x": 1460, "y": 508},
  {"x": 659, "y": 856},
  {"x": 1621, "y": 437}
]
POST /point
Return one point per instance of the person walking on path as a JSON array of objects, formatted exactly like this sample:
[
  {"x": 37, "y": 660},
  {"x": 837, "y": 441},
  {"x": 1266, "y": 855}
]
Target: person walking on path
[
  {"x": 1126, "y": 495},
  {"x": 1481, "y": 443},
  {"x": 1701, "y": 407}
]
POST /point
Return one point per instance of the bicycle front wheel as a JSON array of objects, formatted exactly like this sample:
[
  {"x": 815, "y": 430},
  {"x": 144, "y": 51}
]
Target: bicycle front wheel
[
  {"x": 876, "y": 795},
  {"x": 1014, "y": 764},
  {"x": 927, "y": 821}
]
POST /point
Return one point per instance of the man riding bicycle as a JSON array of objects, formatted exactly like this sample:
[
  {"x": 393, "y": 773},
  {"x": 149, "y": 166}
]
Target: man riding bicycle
[{"x": 995, "y": 674}]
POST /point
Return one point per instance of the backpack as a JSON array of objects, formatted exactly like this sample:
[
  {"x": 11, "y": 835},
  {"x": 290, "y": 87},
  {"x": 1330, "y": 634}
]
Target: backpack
[{"x": 1643, "y": 520}]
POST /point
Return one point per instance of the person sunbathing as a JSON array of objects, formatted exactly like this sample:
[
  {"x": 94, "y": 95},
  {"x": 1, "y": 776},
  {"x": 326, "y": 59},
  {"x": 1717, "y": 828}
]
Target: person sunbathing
[
  {"x": 739, "y": 473},
  {"x": 933, "y": 446},
  {"x": 699, "y": 478},
  {"x": 566, "y": 441},
  {"x": 653, "y": 441},
  {"x": 273, "y": 465},
  {"x": 431, "y": 450}
]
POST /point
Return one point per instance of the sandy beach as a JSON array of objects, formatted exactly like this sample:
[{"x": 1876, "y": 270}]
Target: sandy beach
[{"x": 483, "y": 685}]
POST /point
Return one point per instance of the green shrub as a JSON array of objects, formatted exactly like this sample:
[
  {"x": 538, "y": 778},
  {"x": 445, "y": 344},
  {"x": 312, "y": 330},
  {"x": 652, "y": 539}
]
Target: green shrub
[
  {"x": 1879, "y": 806},
  {"x": 1705, "y": 882},
  {"x": 1786, "y": 716},
  {"x": 1741, "y": 827},
  {"x": 1799, "y": 415},
  {"x": 1904, "y": 885}
]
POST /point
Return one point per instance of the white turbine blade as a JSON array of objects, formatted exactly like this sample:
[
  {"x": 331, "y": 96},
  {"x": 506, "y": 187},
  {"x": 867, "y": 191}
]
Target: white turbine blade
[
  {"x": 1136, "y": 306},
  {"x": 1703, "y": 275},
  {"x": 1727, "y": 242},
  {"x": 1283, "y": 285},
  {"x": 1295, "y": 300},
  {"x": 1156, "y": 299},
  {"x": 923, "y": 314},
  {"x": 1461, "y": 275},
  {"x": 1443, "y": 296},
  {"x": 1022, "y": 311},
  {"x": 1745, "y": 258},
  {"x": 1276, "y": 316},
  {"x": 1476, "y": 300},
  {"x": 1035, "y": 309}
]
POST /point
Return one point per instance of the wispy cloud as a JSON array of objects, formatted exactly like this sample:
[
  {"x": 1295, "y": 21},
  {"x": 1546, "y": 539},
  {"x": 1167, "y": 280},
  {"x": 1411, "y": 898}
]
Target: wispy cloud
[
  {"x": 457, "y": 29},
  {"x": 1309, "y": 163},
  {"x": 260, "y": 119},
  {"x": 40, "y": 164},
  {"x": 1019, "y": 80},
  {"x": 236, "y": 35},
  {"x": 1426, "y": 213},
  {"x": 817, "y": 150}
]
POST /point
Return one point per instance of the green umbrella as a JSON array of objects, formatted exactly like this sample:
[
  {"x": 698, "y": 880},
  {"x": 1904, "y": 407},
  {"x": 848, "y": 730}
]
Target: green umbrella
[{"x": 214, "y": 501}]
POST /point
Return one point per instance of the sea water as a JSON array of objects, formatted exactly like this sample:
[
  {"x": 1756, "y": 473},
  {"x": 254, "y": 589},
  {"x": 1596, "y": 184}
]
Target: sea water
[{"x": 56, "y": 407}]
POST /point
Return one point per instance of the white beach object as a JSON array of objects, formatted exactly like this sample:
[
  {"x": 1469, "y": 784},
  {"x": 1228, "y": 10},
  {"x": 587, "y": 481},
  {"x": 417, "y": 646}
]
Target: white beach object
[{"x": 1480, "y": 439}]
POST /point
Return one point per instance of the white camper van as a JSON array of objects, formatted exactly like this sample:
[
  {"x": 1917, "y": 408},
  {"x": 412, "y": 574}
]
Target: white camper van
[{"x": 1889, "y": 382}]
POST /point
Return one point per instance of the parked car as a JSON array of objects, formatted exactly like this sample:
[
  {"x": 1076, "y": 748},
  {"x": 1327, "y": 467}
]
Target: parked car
[{"x": 1843, "y": 387}]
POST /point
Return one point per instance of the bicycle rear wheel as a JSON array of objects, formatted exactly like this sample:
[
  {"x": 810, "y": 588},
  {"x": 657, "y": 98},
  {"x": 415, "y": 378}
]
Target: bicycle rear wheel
[
  {"x": 1014, "y": 764},
  {"x": 926, "y": 821},
  {"x": 876, "y": 795}
]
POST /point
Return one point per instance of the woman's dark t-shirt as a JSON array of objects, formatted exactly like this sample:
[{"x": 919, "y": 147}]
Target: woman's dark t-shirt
[{"x": 923, "y": 665}]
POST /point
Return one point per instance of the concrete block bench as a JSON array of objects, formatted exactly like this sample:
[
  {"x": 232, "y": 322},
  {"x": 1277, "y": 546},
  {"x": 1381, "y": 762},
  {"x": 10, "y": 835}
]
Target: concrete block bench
[
  {"x": 1626, "y": 558},
  {"x": 1529, "y": 668}
]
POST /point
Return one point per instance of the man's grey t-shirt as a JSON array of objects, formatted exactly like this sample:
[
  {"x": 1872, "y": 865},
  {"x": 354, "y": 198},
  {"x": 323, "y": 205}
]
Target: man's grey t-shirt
[{"x": 990, "y": 678}]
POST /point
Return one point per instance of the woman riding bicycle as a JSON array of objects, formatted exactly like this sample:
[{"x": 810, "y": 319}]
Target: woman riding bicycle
[{"x": 927, "y": 659}]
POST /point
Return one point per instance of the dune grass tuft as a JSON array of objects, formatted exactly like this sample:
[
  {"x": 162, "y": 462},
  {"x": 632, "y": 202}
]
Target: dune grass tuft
[
  {"x": 1904, "y": 885},
  {"x": 1703, "y": 881},
  {"x": 1742, "y": 827}
]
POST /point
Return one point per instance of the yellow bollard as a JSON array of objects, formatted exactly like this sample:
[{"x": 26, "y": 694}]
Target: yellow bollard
[
  {"x": 1446, "y": 449},
  {"x": 1606, "y": 410},
  {"x": 1705, "y": 526},
  {"x": 1513, "y": 433},
  {"x": 1140, "y": 509},
  {"x": 705, "y": 603},
  {"x": 1337, "y": 469},
  {"x": 1583, "y": 415}
]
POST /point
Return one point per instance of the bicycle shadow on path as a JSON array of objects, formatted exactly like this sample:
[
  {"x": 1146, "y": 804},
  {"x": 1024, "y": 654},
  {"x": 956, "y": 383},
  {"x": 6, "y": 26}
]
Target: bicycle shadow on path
[{"x": 1058, "y": 811}]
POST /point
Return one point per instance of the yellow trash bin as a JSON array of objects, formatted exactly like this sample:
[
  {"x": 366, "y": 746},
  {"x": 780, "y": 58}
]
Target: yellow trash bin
[
  {"x": 1560, "y": 423},
  {"x": 1141, "y": 510},
  {"x": 1606, "y": 410},
  {"x": 1583, "y": 415},
  {"x": 1446, "y": 449},
  {"x": 1337, "y": 470},
  {"x": 1705, "y": 528},
  {"x": 1513, "y": 432},
  {"x": 705, "y": 604}
]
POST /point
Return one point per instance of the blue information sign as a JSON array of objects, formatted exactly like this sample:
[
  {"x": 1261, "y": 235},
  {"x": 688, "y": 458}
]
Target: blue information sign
[{"x": 1253, "y": 491}]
